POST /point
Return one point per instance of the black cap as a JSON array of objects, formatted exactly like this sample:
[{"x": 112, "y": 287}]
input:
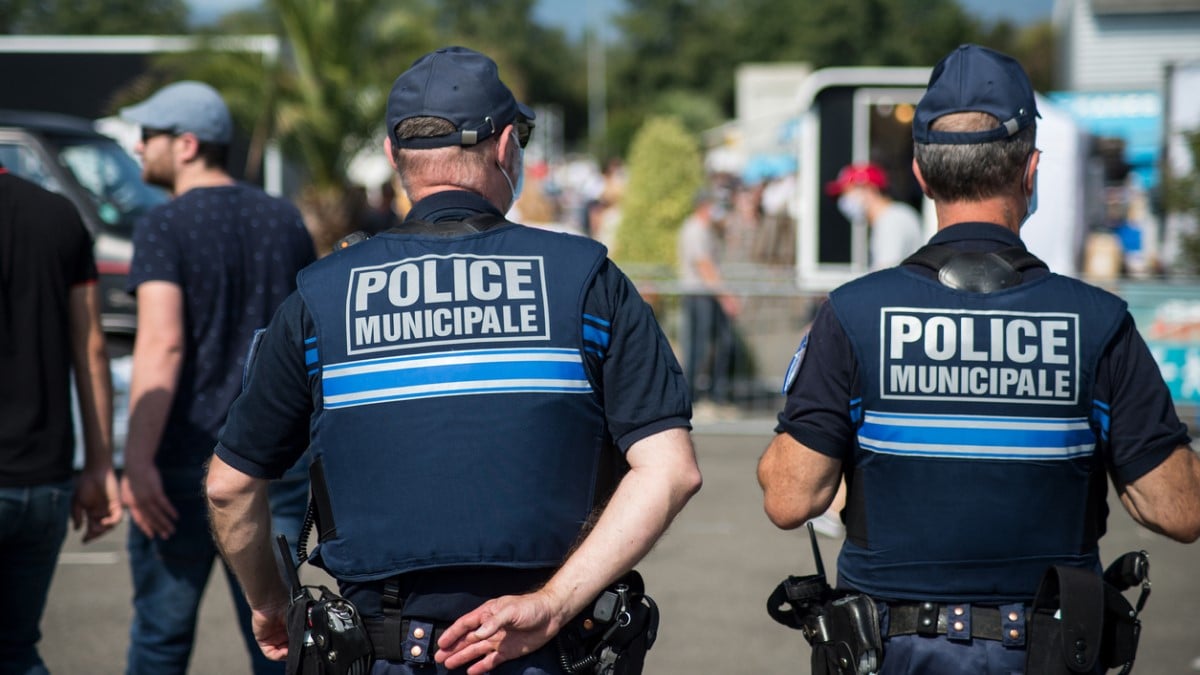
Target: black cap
[
  {"x": 975, "y": 79},
  {"x": 459, "y": 85}
]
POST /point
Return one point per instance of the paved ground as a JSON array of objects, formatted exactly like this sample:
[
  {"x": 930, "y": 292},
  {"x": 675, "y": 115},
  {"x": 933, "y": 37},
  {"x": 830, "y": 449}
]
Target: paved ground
[{"x": 710, "y": 576}]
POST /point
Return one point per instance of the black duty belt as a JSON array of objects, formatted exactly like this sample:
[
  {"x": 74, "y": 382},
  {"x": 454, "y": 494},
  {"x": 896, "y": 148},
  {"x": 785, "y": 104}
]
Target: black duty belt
[
  {"x": 411, "y": 640},
  {"x": 962, "y": 621}
]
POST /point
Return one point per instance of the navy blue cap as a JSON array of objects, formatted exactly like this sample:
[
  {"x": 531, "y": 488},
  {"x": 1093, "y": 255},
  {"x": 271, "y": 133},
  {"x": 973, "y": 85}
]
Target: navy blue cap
[
  {"x": 459, "y": 85},
  {"x": 975, "y": 79}
]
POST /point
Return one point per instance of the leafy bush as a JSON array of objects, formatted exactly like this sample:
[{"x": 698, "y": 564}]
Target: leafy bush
[{"x": 664, "y": 171}]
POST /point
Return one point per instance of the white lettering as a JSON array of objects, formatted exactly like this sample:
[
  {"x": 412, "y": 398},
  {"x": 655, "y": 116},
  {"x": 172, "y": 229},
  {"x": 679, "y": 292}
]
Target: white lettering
[
  {"x": 904, "y": 329},
  {"x": 517, "y": 274},
  {"x": 367, "y": 283},
  {"x": 941, "y": 338},
  {"x": 1052, "y": 341}
]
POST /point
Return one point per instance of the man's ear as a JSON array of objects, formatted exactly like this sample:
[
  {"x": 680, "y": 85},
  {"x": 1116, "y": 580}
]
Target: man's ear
[
  {"x": 1031, "y": 171},
  {"x": 387, "y": 150},
  {"x": 187, "y": 146},
  {"x": 920, "y": 178}
]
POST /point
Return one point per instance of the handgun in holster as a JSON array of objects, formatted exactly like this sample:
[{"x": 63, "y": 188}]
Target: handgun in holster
[
  {"x": 614, "y": 634},
  {"x": 326, "y": 635},
  {"x": 843, "y": 629}
]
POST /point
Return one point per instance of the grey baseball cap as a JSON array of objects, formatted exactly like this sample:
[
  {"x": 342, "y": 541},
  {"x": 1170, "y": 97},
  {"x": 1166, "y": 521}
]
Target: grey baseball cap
[{"x": 185, "y": 107}]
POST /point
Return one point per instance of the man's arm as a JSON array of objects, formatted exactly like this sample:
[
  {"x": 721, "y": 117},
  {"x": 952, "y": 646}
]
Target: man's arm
[
  {"x": 662, "y": 476},
  {"x": 157, "y": 360},
  {"x": 240, "y": 512},
  {"x": 798, "y": 482},
  {"x": 96, "y": 499},
  {"x": 1167, "y": 498}
]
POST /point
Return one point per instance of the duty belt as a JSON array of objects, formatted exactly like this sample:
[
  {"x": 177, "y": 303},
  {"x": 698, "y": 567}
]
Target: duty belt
[{"x": 958, "y": 621}]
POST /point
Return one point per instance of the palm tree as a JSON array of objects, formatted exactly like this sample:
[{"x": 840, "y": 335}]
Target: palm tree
[{"x": 322, "y": 97}]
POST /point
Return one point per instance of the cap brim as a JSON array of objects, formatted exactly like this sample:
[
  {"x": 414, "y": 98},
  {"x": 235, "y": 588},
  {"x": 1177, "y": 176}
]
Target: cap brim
[
  {"x": 526, "y": 111},
  {"x": 835, "y": 188},
  {"x": 139, "y": 114}
]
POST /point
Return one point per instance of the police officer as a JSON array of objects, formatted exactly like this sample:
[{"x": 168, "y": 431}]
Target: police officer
[
  {"x": 974, "y": 402},
  {"x": 463, "y": 381}
]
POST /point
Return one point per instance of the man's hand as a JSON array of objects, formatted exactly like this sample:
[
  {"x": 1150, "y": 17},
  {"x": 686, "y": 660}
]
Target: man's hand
[
  {"x": 142, "y": 493},
  {"x": 96, "y": 501},
  {"x": 270, "y": 630},
  {"x": 500, "y": 630}
]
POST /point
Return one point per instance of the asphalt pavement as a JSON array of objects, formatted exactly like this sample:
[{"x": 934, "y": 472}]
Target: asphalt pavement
[{"x": 710, "y": 576}]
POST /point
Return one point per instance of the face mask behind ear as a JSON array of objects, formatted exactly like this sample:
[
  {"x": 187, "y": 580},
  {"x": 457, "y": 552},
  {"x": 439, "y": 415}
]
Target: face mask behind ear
[
  {"x": 515, "y": 190},
  {"x": 1031, "y": 204}
]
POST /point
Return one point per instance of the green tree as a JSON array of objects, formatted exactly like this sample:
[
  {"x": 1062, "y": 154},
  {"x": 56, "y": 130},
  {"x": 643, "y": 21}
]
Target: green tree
[
  {"x": 665, "y": 171},
  {"x": 1183, "y": 197},
  {"x": 323, "y": 97},
  {"x": 537, "y": 62},
  {"x": 94, "y": 17}
]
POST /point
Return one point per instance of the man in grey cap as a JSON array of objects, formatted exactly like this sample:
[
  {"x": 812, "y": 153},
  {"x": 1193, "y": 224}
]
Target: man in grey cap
[
  {"x": 209, "y": 268},
  {"x": 976, "y": 404},
  {"x": 472, "y": 390}
]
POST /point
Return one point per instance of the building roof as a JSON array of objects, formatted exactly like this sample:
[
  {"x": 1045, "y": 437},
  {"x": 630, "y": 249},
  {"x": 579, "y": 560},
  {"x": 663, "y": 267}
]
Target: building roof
[{"x": 1144, "y": 6}]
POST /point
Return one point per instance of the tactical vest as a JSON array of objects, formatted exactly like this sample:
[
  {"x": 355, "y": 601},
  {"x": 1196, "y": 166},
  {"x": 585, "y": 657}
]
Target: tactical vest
[
  {"x": 976, "y": 465},
  {"x": 455, "y": 423}
]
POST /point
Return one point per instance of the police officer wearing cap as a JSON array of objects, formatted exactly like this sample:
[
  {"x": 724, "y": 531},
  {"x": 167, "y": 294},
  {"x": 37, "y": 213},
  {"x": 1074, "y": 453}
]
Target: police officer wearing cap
[
  {"x": 465, "y": 382},
  {"x": 975, "y": 403}
]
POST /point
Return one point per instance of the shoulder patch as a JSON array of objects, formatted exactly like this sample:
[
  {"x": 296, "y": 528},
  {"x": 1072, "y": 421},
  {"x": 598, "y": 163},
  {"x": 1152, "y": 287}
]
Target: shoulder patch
[{"x": 794, "y": 366}]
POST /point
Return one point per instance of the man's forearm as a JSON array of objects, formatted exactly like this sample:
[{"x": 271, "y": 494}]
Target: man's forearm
[
  {"x": 643, "y": 505},
  {"x": 240, "y": 513},
  {"x": 155, "y": 379},
  {"x": 93, "y": 380}
]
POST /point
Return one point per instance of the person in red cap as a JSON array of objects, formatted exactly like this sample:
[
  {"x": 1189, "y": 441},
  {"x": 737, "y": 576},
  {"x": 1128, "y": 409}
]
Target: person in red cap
[{"x": 861, "y": 191}]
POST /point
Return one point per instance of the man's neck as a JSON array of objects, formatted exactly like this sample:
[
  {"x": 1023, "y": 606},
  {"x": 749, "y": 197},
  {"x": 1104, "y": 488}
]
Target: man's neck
[
  {"x": 191, "y": 178},
  {"x": 1004, "y": 211}
]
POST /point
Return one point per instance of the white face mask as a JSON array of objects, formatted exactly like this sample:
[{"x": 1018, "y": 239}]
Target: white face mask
[
  {"x": 852, "y": 206},
  {"x": 515, "y": 190}
]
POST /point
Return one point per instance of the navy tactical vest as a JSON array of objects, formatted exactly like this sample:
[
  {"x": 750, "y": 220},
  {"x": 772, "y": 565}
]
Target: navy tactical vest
[
  {"x": 976, "y": 466},
  {"x": 455, "y": 422}
]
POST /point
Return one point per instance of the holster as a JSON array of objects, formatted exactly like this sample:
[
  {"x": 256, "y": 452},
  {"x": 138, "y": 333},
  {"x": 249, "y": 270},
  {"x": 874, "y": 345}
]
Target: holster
[
  {"x": 613, "y": 636},
  {"x": 326, "y": 636},
  {"x": 1078, "y": 621},
  {"x": 843, "y": 631}
]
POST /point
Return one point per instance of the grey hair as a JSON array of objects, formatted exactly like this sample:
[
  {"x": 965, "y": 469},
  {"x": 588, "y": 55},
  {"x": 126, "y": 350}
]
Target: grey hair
[
  {"x": 973, "y": 171},
  {"x": 464, "y": 166}
]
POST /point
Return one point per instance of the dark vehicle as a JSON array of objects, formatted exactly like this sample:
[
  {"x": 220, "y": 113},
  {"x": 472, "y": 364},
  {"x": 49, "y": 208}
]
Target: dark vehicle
[{"x": 67, "y": 155}]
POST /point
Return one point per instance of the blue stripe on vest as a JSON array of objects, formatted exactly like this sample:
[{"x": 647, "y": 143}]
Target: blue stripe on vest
[
  {"x": 310, "y": 356},
  {"x": 596, "y": 320},
  {"x": 454, "y": 373},
  {"x": 976, "y": 437}
]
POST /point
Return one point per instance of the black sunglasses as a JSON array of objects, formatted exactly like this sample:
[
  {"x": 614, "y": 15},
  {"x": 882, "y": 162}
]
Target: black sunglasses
[
  {"x": 524, "y": 129},
  {"x": 149, "y": 133}
]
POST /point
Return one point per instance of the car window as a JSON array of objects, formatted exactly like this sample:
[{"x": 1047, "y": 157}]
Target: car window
[
  {"x": 23, "y": 162},
  {"x": 112, "y": 178}
]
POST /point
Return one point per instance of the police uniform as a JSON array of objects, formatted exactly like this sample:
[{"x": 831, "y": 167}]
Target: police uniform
[
  {"x": 463, "y": 394},
  {"x": 975, "y": 431}
]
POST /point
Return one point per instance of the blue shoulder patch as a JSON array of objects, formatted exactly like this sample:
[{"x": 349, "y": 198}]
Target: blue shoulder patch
[{"x": 794, "y": 366}]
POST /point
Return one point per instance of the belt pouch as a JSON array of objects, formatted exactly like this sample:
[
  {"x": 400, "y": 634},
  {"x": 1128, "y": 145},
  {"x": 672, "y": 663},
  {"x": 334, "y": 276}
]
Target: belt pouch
[{"x": 1066, "y": 623}]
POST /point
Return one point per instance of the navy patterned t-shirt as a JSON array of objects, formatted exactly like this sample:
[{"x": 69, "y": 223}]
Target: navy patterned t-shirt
[{"x": 234, "y": 251}]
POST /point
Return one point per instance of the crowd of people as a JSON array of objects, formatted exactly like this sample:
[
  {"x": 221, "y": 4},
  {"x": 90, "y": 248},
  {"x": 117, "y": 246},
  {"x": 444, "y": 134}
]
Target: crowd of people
[{"x": 487, "y": 429}]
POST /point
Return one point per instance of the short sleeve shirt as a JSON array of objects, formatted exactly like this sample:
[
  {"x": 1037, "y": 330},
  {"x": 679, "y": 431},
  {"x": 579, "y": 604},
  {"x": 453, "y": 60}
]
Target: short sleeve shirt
[
  {"x": 234, "y": 251},
  {"x": 45, "y": 252}
]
